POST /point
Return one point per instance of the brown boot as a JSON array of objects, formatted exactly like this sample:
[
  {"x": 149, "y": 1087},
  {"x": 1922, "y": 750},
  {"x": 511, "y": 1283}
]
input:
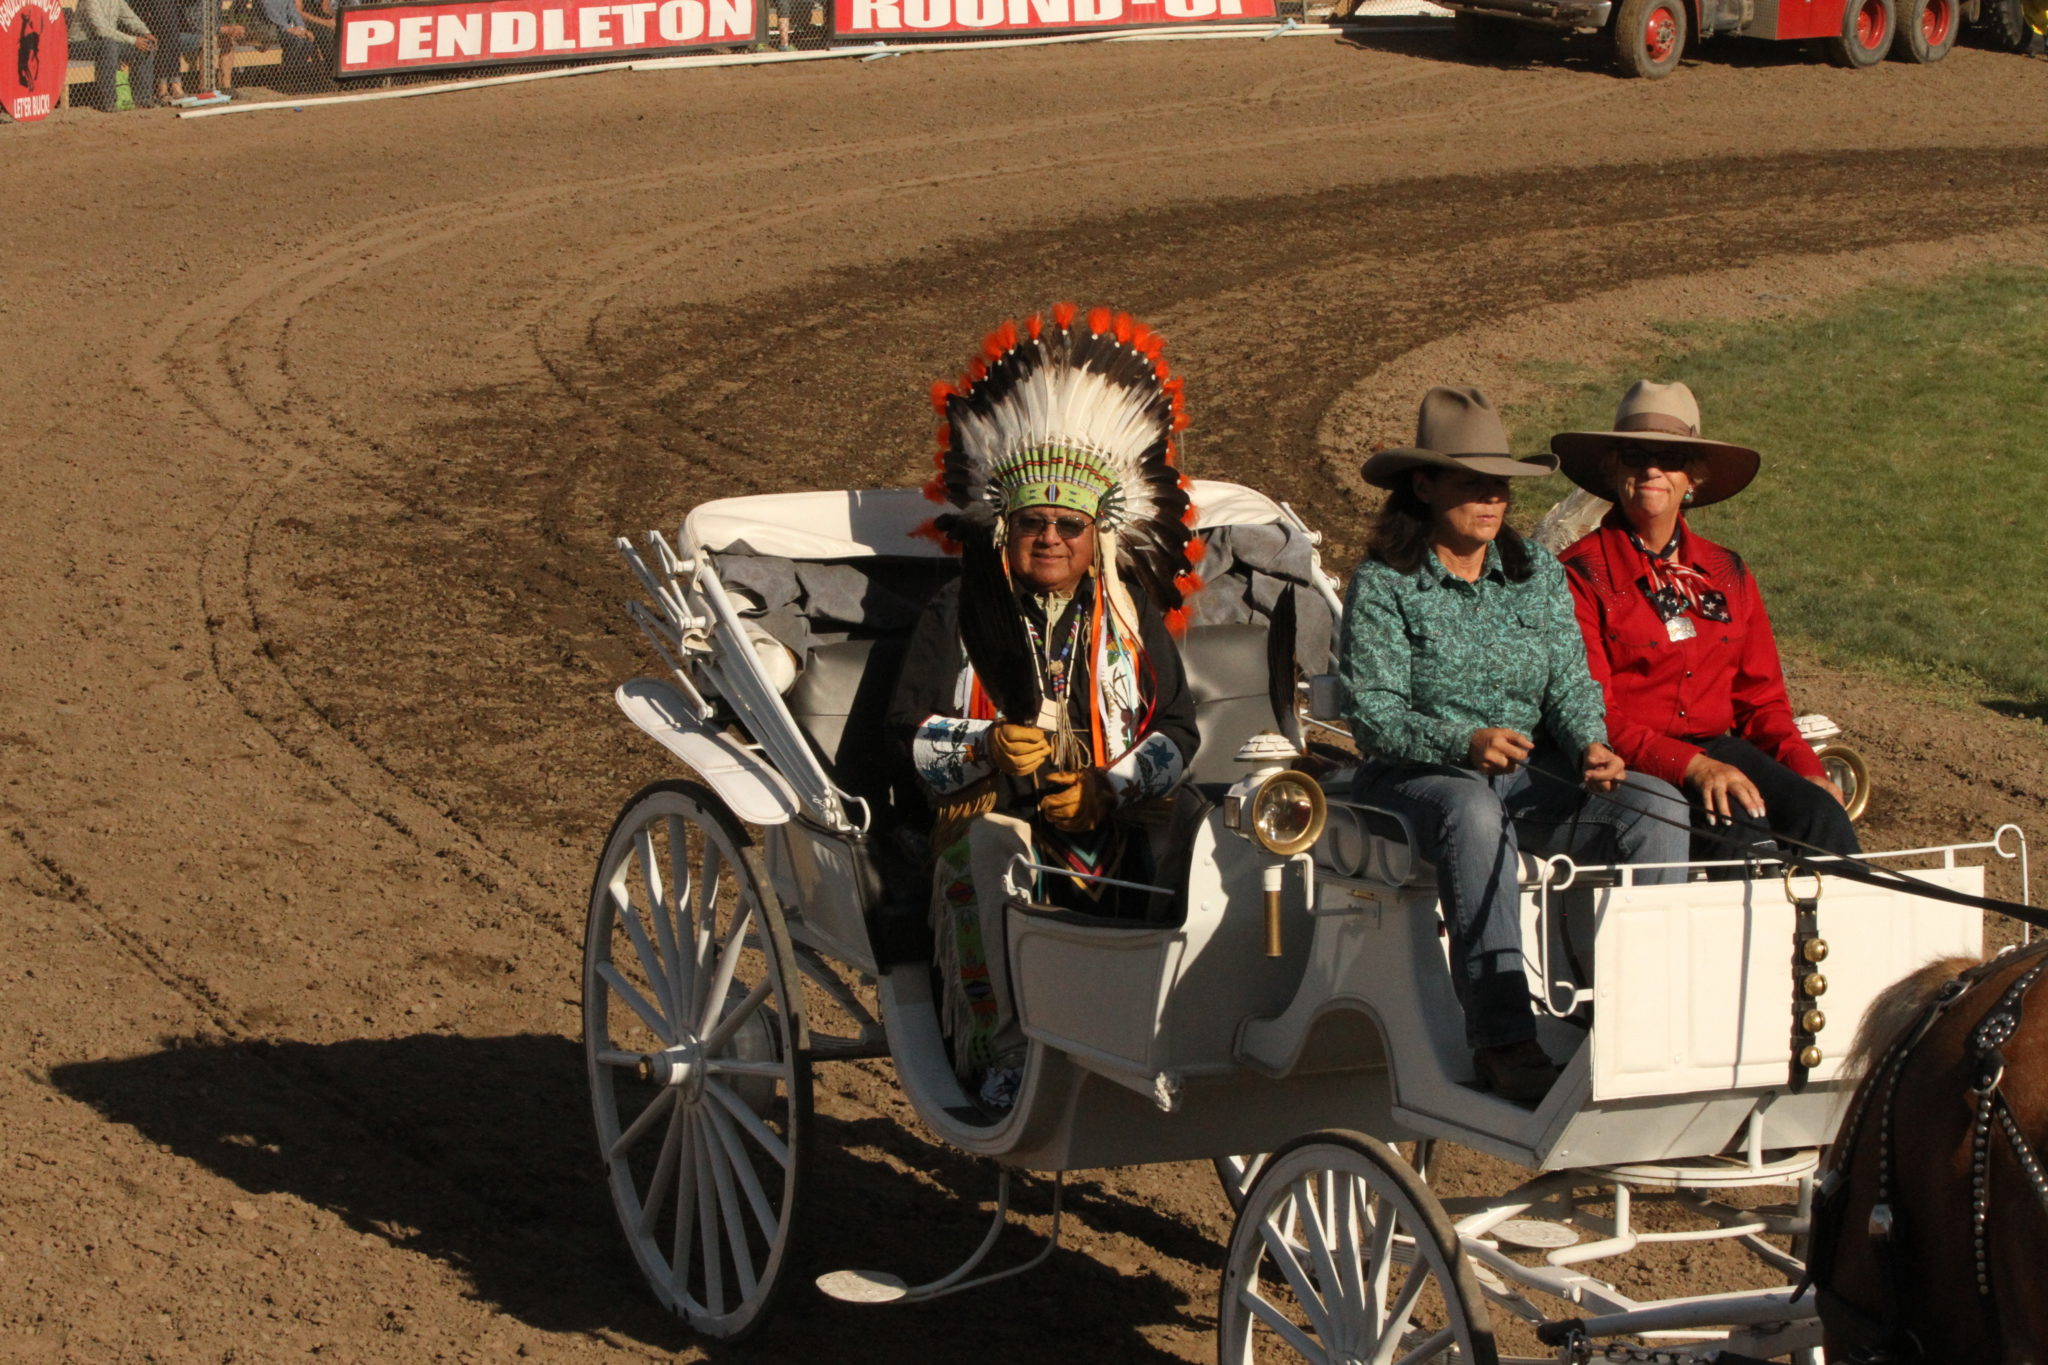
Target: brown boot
[{"x": 1521, "y": 1072}]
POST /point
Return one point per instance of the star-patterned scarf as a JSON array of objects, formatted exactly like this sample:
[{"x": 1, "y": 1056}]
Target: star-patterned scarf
[{"x": 1674, "y": 587}]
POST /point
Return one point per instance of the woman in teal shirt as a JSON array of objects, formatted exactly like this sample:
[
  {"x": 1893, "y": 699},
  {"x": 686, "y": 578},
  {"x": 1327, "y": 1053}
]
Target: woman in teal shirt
[{"x": 1465, "y": 669}]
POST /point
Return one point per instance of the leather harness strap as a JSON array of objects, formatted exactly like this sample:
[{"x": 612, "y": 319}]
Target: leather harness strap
[{"x": 1884, "y": 1338}]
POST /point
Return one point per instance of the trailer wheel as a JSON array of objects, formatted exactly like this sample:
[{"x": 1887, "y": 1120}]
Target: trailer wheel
[
  {"x": 1927, "y": 30},
  {"x": 1649, "y": 37},
  {"x": 1867, "y": 29},
  {"x": 2002, "y": 26},
  {"x": 1483, "y": 37}
]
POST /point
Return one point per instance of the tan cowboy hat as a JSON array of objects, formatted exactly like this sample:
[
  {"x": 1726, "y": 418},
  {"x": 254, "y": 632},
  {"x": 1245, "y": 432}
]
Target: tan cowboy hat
[
  {"x": 1455, "y": 429},
  {"x": 1656, "y": 415}
]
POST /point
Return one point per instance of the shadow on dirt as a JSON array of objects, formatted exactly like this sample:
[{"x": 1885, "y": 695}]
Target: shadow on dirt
[
  {"x": 1535, "y": 47},
  {"x": 478, "y": 1152}
]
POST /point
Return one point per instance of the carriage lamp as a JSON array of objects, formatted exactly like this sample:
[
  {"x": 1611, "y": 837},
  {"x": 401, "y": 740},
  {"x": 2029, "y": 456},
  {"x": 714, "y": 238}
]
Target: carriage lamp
[
  {"x": 1287, "y": 814},
  {"x": 1814, "y": 950},
  {"x": 1814, "y": 985},
  {"x": 1813, "y": 1021},
  {"x": 1809, "y": 1056}
]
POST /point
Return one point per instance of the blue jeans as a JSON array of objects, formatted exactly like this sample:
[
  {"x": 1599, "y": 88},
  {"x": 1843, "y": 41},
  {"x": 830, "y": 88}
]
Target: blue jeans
[
  {"x": 1472, "y": 827},
  {"x": 106, "y": 56}
]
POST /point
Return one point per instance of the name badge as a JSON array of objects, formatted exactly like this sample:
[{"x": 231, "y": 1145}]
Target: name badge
[{"x": 1680, "y": 628}]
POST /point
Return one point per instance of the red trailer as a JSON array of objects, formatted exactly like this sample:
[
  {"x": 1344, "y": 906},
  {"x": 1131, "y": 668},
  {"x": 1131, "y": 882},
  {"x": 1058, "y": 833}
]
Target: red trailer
[{"x": 1649, "y": 36}]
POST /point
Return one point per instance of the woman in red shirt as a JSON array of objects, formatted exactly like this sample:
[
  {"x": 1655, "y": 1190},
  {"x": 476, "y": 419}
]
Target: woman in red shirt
[{"x": 1676, "y": 633}]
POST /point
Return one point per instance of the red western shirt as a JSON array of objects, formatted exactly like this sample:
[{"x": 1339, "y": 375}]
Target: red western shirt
[{"x": 1661, "y": 692}]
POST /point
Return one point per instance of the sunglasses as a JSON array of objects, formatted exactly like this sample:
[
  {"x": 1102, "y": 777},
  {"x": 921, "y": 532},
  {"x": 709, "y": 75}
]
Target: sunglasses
[
  {"x": 1643, "y": 457},
  {"x": 1032, "y": 525}
]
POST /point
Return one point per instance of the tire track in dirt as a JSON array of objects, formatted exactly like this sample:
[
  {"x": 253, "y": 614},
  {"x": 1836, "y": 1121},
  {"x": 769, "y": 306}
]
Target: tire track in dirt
[{"x": 242, "y": 388}]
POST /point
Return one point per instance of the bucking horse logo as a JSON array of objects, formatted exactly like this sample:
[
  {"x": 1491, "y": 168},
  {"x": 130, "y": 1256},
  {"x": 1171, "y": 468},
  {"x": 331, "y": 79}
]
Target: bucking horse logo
[{"x": 28, "y": 52}]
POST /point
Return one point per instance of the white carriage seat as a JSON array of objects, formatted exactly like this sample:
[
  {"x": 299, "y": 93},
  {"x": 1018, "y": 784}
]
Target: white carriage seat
[{"x": 1227, "y": 675}]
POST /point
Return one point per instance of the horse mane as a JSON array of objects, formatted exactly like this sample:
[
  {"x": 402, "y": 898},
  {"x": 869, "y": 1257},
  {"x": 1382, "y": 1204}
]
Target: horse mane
[{"x": 1895, "y": 1009}]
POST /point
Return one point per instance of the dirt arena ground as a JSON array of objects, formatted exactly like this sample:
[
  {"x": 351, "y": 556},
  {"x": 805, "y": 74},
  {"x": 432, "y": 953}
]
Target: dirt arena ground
[{"x": 317, "y": 428}]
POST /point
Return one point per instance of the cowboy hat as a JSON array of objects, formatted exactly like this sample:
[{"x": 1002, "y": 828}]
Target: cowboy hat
[
  {"x": 1456, "y": 428},
  {"x": 1656, "y": 415}
]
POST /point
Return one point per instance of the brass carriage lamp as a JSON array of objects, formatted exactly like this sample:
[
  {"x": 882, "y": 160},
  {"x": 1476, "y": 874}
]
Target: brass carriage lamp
[{"x": 1280, "y": 810}]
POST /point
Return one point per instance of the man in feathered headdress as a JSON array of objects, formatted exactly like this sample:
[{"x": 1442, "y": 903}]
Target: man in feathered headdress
[{"x": 1042, "y": 694}]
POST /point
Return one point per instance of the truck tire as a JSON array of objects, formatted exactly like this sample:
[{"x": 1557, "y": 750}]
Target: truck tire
[
  {"x": 2002, "y": 26},
  {"x": 1867, "y": 30},
  {"x": 1483, "y": 37},
  {"x": 1649, "y": 37},
  {"x": 1927, "y": 30}
]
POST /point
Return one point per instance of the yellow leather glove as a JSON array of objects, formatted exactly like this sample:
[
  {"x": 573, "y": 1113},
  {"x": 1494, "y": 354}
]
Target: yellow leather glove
[
  {"x": 1077, "y": 802},
  {"x": 1018, "y": 750}
]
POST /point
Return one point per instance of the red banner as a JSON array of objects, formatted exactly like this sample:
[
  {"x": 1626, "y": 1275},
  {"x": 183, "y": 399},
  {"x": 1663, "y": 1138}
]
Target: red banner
[
  {"x": 883, "y": 18},
  {"x": 33, "y": 55},
  {"x": 423, "y": 37}
]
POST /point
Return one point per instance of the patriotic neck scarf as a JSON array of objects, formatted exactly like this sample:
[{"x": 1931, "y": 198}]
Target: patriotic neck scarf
[{"x": 1674, "y": 587}]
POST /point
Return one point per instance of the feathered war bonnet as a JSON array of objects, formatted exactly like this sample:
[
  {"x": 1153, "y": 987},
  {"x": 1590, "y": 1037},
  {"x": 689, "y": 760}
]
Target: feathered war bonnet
[{"x": 1075, "y": 412}]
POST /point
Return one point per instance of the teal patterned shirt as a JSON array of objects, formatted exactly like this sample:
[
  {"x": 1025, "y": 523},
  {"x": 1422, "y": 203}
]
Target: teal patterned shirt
[{"x": 1428, "y": 658}]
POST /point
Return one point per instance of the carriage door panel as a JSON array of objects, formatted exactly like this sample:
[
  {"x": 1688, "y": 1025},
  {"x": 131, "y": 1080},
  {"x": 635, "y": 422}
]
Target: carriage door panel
[{"x": 1693, "y": 983}]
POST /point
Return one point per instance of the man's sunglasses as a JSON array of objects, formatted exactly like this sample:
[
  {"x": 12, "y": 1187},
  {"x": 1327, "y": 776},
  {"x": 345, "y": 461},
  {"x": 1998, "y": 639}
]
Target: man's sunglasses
[{"x": 1032, "y": 525}]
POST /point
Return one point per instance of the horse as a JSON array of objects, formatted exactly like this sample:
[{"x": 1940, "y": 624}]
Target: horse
[{"x": 1931, "y": 1232}]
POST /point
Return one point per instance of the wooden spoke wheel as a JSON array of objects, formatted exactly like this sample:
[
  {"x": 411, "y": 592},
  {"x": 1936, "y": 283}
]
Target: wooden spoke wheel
[
  {"x": 1866, "y": 36},
  {"x": 1237, "y": 1174},
  {"x": 1649, "y": 37},
  {"x": 1341, "y": 1255},
  {"x": 1846, "y": 769},
  {"x": 700, "y": 1078}
]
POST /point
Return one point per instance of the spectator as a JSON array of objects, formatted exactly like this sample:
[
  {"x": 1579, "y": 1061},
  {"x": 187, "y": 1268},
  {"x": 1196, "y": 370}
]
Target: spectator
[
  {"x": 162, "y": 18},
  {"x": 300, "y": 57},
  {"x": 320, "y": 20},
  {"x": 192, "y": 13},
  {"x": 110, "y": 33}
]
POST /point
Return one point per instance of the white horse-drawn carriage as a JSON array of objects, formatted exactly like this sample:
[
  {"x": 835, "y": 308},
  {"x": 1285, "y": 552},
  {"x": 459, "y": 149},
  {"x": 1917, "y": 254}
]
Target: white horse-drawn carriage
[{"x": 1280, "y": 1004}]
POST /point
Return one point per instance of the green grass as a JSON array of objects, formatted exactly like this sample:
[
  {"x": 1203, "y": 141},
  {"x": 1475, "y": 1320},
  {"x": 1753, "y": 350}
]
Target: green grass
[{"x": 1900, "y": 520}]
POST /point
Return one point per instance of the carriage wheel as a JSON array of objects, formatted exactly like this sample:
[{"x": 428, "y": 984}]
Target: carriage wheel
[
  {"x": 1237, "y": 1175},
  {"x": 1341, "y": 1254},
  {"x": 694, "y": 1039},
  {"x": 1846, "y": 769}
]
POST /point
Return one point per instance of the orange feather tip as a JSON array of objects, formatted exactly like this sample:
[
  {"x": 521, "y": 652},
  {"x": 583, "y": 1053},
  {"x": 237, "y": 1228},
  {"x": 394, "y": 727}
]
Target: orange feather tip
[
  {"x": 1162, "y": 369},
  {"x": 1190, "y": 517},
  {"x": 1098, "y": 320},
  {"x": 1034, "y": 326},
  {"x": 939, "y": 461},
  {"x": 941, "y": 391},
  {"x": 1063, "y": 315},
  {"x": 935, "y": 490},
  {"x": 1177, "y": 622},
  {"x": 976, "y": 372},
  {"x": 1188, "y": 583},
  {"x": 1125, "y": 328},
  {"x": 1197, "y": 547}
]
